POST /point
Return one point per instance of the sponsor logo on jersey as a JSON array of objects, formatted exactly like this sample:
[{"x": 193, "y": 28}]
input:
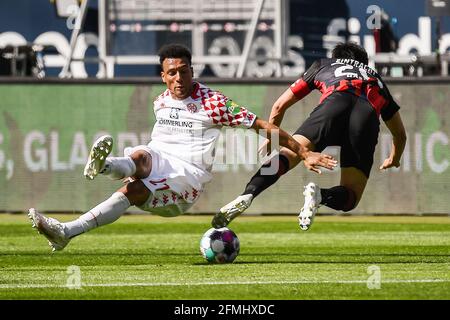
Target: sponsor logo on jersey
[{"x": 174, "y": 113}]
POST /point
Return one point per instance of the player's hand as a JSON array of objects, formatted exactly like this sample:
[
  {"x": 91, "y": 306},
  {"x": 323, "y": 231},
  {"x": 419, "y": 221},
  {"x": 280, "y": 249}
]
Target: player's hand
[
  {"x": 313, "y": 160},
  {"x": 389, "y": 163}
]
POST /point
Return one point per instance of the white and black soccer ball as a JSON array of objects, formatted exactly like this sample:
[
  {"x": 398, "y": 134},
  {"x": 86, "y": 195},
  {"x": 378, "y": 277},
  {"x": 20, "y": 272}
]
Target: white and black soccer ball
[{"x": 219, "y": 245}]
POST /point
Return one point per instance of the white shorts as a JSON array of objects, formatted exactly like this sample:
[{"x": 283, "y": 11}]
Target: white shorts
[{"x": 174, "y": 184}]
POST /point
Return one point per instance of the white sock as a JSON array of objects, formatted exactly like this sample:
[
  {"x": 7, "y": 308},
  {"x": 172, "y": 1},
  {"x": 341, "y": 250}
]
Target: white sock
[
  {"x": 119, "y": 167},
  {"x": 106, "y": 212}
]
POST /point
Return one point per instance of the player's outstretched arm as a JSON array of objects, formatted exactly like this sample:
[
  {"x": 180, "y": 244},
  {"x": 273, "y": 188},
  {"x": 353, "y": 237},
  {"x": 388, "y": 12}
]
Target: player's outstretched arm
[
  {"x": 312, "y": 160},
  {"x": 395, "y": 126},
  {"x": 280, "y": 106}
]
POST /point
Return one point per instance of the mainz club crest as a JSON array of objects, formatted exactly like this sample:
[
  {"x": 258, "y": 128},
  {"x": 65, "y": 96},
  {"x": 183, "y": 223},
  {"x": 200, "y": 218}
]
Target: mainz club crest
[{"x": 192, "y": 107}]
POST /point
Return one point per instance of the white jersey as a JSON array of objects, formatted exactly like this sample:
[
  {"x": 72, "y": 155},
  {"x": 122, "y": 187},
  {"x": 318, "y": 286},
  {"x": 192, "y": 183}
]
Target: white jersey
[{"x": 188, "y": 129}]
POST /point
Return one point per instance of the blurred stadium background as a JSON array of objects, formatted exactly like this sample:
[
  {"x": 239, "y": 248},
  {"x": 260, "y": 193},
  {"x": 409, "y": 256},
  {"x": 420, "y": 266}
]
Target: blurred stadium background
[{"x": 71, "y": 70}]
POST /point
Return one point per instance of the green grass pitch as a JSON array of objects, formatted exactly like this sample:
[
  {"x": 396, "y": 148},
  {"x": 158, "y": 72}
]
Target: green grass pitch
[{"x": 147, "y": 257}]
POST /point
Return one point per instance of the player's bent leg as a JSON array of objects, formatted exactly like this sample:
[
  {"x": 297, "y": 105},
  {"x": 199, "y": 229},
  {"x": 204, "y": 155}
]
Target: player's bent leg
[
  {"x": 278, "y": 165},
  {"x": 143, "y": 164},
  {"x": 137, "y": 165},
  {"x": 347, "y": 195},
  {"x": 283, "y": 162},
  {"x": 344, "y": 197},
  {"x": 357, "y": 153},
  {"x": 117, "y": 168},
  {"x": 51, "y": 228},
  {"x": 266, "y": 176},
  {"x": 136, "y": 192}
]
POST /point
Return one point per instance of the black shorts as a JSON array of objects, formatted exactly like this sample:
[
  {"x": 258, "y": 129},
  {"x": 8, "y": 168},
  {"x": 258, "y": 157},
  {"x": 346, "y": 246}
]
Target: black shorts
[{"x": 348, "y": 121}]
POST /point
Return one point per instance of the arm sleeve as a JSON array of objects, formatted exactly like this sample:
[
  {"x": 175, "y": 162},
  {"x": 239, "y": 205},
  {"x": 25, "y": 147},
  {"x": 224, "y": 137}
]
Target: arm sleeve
[
  {"x": 303, "y": 86},
  {"x": 391, "y": 106},
  {"x": 224, "y": 111}
]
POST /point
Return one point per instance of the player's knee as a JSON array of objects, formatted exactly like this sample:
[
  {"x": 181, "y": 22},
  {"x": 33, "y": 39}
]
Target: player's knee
[
  {"x": 349, "y": 208},
  {"x": 143, "y": 162},
  {"x": 136, "y": 192}
]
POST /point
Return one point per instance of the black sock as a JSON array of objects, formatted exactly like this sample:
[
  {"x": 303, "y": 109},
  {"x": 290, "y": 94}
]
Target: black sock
[
  {"x": 259, "y": 182},
  {"x": 338, "y": 198}
]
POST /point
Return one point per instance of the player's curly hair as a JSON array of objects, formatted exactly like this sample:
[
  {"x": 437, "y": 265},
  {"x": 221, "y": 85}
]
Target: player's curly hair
[
  {"x": 350, "y": 50},
  {"x": 174, "y": 51}
]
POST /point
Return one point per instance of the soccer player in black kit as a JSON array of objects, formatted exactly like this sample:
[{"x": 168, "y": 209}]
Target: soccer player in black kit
[{"x": 353, "y": 98}]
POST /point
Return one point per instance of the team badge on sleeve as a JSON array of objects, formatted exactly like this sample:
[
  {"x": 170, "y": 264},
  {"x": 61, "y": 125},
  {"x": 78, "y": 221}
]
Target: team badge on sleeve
[
  {"x": 226, "y": 112},
  {"x": 233, "y": 107}
]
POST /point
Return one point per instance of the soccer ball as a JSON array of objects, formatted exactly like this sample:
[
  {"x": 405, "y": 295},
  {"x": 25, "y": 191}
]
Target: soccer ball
[{"x": 219, "y": 245}]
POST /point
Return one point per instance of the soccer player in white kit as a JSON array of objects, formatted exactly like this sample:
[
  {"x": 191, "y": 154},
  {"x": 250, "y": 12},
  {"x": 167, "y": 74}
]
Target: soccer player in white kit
[{"x": 168, "y": 175}]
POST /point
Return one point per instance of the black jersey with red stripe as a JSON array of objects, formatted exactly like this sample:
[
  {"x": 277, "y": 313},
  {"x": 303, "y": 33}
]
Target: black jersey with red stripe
[{"x": 332, "y": 75}]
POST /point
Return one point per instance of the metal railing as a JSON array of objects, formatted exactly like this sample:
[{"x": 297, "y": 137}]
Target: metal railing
[{"x": 194, "y": 14}]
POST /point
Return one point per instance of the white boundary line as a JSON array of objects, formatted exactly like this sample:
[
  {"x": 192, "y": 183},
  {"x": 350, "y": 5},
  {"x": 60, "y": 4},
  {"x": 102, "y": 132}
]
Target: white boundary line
[{"x": 168, "y": 284}]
